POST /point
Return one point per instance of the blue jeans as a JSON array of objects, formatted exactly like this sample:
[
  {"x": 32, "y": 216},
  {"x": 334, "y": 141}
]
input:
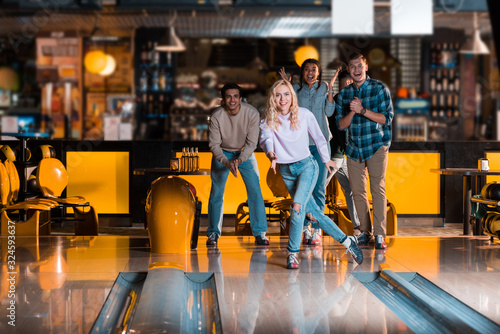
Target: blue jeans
[
  {"x": 342, "y": 176},
  {"x": 300, "y": 177},
  {"x": 318, "y": 194},
  {"x": 249, "y": 171}
]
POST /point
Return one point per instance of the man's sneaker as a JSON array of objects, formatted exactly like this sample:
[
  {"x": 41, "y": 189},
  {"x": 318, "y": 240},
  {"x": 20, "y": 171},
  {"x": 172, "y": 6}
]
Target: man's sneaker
[
  {"x": 212, "y": 239},
  {"x": 292, "y": 261},
  {"x": 380, "y": 242},
  {"x": 363, "y": 239},
  {"x": 261, "y": 240},
  {"x": 316, "y": 237},
  {"x": 353, "y": 248},
  {"x": 306, "y": 239}
]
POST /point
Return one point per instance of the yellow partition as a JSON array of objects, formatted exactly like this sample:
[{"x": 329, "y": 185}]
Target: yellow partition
[
  {"x": 409, "y": 183},
  {"x": 102, "y": 178},
  {"x": 235, "y": 188},
  {"x": 494, "y": 163}
]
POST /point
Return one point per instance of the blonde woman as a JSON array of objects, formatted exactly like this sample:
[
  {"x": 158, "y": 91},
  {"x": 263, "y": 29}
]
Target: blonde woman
[{"x": 286, "y": 128}]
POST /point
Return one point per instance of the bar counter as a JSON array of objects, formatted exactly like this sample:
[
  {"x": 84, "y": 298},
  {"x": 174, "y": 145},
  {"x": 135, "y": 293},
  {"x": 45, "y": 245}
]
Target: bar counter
[{"x": 103, "y": 171}]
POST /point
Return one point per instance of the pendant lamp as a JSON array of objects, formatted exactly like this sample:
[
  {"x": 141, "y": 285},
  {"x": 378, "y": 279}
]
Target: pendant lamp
[
  {"x": 170, "y": 42},
  {"x": 305, "y": 52},
  {"x": 475, "y": 44}
]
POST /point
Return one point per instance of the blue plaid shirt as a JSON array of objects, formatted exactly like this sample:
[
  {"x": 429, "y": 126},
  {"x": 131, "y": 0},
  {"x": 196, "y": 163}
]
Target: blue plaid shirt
[{"x": 365, "y": 135}]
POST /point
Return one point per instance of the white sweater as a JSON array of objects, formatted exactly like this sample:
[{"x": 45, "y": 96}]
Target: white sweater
[{"x": 291, "y": 145}]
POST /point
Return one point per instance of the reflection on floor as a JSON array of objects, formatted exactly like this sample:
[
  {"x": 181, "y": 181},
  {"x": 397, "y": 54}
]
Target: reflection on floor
[{"x": 58, "y": 284}]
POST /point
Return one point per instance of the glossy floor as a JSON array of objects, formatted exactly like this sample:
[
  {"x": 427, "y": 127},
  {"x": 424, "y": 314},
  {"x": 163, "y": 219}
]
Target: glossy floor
[{"x": 58, "y": 284}]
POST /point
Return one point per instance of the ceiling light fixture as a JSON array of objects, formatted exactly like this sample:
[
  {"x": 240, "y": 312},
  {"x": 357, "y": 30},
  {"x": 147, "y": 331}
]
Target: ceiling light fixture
[
  {"x": 170, "y": 42},
  {"x": 305, "y": 52},
  {"x": 475, "y": 44}
]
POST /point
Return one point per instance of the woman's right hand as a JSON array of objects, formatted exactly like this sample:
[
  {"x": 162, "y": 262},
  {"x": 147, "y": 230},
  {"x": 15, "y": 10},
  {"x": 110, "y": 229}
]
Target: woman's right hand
[
  {"x": 283, "y": 75},
  {"x": 273, "y": 159}
]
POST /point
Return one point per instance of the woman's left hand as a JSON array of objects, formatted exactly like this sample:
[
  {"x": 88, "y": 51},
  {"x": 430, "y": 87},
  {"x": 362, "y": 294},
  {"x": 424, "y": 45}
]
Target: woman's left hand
[{"x": 332, "y": 81}]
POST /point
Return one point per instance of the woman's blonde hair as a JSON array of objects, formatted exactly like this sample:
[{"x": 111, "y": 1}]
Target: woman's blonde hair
[{"x": 271, "y": 115}]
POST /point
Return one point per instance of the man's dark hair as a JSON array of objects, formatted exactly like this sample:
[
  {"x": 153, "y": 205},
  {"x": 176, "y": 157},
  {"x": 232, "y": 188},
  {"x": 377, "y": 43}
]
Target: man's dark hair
[
  {"x": 357, "y": 55},
  {"x": 228, "y": 86},
  {"x": 302, "y": 68}
]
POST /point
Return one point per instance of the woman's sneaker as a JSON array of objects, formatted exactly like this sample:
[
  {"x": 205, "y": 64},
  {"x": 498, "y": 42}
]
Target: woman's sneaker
[
  {"x": 306, "y": 238},
  {"x": 353, "y": 248},
  {"x": 212, "y": 239},
  {"x": 292, "y": 261},
  {"x": 316, "y": 237}
]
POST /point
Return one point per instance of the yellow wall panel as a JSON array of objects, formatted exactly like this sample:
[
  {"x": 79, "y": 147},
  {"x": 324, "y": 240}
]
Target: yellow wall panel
[
  {"x": 410, "y": 185},
  {"x": 494, "y": 162},
  {"x": 102, "y": 178},
  {"x": 235, "y": 188}
]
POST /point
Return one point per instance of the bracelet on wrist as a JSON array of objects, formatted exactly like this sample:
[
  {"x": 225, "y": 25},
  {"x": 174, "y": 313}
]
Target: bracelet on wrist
[{"x": 330, "y": 91}]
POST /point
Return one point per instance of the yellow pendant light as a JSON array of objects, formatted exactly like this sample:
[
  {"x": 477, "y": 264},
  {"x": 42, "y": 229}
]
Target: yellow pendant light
[
  {"x": 305, "y": 52},
  {"x": 95, "y": 61},
  {"x": 110, "y": 65}
]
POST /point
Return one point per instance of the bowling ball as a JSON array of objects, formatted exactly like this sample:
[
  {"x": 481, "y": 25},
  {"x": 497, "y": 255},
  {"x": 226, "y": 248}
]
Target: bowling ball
[
  {"x": 494, "y": 192},
  {"x": 485, "y": 190},
  {"x": 43, "y": 152},
  {"x": 32, "y": 184}
]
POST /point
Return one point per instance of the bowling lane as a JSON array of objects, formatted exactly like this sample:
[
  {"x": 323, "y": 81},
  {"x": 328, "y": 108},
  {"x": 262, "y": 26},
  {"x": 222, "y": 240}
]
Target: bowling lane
[{"x": 62, "y": 282}]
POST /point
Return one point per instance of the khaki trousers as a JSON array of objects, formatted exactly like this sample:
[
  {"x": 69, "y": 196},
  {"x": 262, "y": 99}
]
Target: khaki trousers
[{"x": 376, "y": 167}]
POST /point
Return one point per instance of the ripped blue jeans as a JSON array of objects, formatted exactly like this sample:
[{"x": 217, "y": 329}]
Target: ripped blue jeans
[{"x": 300, "y": 178}]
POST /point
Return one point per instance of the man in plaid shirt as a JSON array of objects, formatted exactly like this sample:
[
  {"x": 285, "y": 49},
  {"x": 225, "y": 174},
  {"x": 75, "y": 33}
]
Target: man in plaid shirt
[{"x": 365, "y": 108}]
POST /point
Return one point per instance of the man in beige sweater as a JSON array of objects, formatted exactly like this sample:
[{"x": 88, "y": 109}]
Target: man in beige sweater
[{"x": 233, "y": 137}]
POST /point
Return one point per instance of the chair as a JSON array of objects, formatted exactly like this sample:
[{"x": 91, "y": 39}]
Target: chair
[
  {"x": 280, "y": 203},
  {"x": 338, "y": 205},
  {"x": 33, "y": 216},
  {"x": 52, "y": 179}
]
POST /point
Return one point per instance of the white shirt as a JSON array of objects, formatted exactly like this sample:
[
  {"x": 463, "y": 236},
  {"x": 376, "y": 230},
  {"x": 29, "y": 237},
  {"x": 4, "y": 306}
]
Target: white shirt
[{"x": 290, "y": 145}]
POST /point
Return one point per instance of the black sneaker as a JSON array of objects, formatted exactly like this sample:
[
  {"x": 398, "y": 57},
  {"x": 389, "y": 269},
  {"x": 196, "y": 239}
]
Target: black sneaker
[
  {"x": 363, "y": 239},
  {"x": 212, "y": 239},
  {"x": 353, "y": 248},
  {"x": 261, "y": 240}
]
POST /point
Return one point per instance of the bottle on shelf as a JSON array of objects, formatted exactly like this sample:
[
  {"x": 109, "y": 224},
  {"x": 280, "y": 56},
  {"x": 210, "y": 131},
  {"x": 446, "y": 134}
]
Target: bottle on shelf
[
  {"x": 196, "y": 160},
  {"x": 189, "y": 160},
  {"x": 150, "y": 105},
  {"x": 156, "y": 83},
  {"x": 151, "y": 51},
  {"x": 95, "y": 110},
  {"x": 168, "y": 82},
  {"x": 156, "y": 55},
  {"x": 144, "y": 103},
  {"x": 184, "y": 160},
  {"x": 144, "y": 54},
  {"x": 144, "y": 81},
  {"x": 162, "y": 80},
  {"x": 160, "y": 105},
  {"x": 192, "y": 160}
]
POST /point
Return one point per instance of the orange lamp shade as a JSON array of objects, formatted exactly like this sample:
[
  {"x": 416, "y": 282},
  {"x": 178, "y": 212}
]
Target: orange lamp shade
[
  {"x": 95, "y": 61},
  {"x": 305, "y": 52}
]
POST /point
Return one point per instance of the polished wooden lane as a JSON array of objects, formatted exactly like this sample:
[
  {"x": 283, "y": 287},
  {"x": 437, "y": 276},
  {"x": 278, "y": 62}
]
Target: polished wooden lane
[{"x": 63, "y": 281}]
